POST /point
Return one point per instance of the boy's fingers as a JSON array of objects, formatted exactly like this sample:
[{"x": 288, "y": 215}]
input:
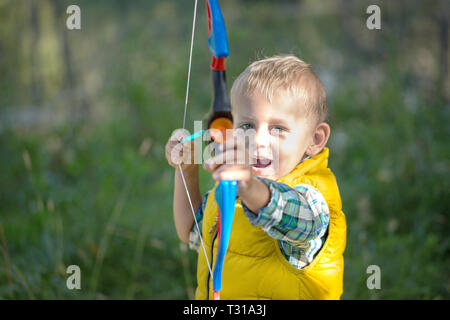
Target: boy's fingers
[
  {"x": 170, "y": 146},
  {"x": 231, "y": 172},
  {"x": 219, "y": 159},
  {"x": 238, "y": 147},
  {"x": 176, "y": 153},
  {"x": 171, "y": 158},
  {"x": 229, "y": 157},
  {"x": 178, "y": 135},
  {"x": 210, "y": 165}
]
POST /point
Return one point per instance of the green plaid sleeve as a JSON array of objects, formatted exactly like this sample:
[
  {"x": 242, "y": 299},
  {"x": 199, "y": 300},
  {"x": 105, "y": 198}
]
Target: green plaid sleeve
[
  {"x": 296, "y": 215},
  {"x": 194, "y": 236}
]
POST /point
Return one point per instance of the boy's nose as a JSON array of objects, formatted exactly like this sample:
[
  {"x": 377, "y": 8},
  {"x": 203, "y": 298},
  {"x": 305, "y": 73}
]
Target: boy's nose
[{"x": 262, "y": 137}]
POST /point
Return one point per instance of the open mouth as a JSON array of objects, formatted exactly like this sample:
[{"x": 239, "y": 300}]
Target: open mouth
[{"x": 261, "y": 163}]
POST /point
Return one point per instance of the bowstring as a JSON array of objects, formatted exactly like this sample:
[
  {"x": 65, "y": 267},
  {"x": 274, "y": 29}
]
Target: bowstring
[
  {"x": 190, "y": 64},
  {"x": 184, "y": 125}
]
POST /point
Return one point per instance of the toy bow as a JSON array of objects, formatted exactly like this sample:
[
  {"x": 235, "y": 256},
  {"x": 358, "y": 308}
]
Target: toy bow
[{"x": 219, "y": 121}]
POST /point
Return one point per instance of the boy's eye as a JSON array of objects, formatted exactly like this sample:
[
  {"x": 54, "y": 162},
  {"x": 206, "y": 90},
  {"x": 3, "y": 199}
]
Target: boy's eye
[
  {"x": 246, "y": 126},
  {"x": 276, "y": 130}
]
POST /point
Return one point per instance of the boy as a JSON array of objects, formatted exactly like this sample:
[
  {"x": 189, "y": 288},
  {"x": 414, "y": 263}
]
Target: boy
[{"x": 289, "y": 232}]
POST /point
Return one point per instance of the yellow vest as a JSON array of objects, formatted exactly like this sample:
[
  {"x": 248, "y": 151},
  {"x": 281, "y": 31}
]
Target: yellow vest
[{"x": 255, "y": 267}]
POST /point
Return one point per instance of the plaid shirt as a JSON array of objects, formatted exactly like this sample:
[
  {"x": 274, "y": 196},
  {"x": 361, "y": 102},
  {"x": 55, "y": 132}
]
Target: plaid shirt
[{"x": 298, "y": 217}]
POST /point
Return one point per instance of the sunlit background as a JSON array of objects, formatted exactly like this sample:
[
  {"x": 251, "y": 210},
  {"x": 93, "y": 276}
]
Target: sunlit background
[{"x": 85, "y": 115}]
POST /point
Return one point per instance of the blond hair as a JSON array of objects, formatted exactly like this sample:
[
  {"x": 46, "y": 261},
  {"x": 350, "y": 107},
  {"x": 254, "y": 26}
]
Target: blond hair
[{"x": 285, "y": 73}]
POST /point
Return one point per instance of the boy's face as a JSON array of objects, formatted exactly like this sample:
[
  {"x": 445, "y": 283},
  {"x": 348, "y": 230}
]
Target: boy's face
[{"x": 283, "y": 132}]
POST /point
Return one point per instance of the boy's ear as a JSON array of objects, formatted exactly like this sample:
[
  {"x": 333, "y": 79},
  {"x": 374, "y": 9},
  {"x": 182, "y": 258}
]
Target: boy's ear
[{"x": 319, "y": 139}]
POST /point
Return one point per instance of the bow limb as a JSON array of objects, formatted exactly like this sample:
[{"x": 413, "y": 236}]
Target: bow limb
[
  {"x": 225, "y": 196},
  {"x": 221, "y": 120}
]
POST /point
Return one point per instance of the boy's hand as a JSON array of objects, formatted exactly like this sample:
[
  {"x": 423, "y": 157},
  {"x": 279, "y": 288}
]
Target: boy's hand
[
  {"x": 232, "y": 163},
  {"x": 180, "y": 154}
]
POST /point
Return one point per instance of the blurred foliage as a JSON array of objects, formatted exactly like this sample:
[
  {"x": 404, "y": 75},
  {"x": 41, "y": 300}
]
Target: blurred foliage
[{"x": 85, "y": 115}]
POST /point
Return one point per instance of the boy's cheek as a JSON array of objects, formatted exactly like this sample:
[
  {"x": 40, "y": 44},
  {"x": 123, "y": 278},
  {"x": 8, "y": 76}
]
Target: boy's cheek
[
  {"x": 284, "y": 151},
  {"x": 287, "y": 154}
]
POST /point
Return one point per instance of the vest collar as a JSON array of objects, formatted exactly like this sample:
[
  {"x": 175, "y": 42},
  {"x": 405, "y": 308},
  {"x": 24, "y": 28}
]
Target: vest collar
[{"x": 308, "y": 165}]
